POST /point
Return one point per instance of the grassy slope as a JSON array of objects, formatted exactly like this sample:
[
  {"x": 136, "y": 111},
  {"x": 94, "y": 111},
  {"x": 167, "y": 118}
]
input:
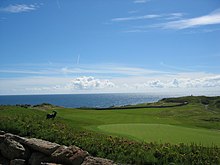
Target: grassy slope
[
  {"x": 190, "y": 116},
  {"x": 194, "y": 118}
]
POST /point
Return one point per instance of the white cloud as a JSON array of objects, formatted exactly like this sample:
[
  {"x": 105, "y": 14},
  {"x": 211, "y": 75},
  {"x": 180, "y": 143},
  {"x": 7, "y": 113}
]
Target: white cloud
[
  {"x": 18, "y": 8},
  {"x": 141, "y": 1},
  {"x": 105, "y": 78},
  {"x": 156, "y": 84},
  {"x": 24, "y": 71},
  {"x": 209, "y": 82},
  {"x": 175, "y": 83},
  {"x": 133, "y": 18},
  {"x": 173, "y": 21},
  {"x": 210, "y": 19},
  {"x": 166, "y": 16},
  {"x": 90, "y": 83},
  {"x": 184, "y": 83},
  {"x": 172, "y": 16},
  {"x": 107, "y": 69}
]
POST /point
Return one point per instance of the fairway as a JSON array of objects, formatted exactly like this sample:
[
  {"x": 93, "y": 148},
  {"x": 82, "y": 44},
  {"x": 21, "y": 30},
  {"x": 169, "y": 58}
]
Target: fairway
[
  {"x": 188, "y": 124},
  {"x": 164, "y": 133}
]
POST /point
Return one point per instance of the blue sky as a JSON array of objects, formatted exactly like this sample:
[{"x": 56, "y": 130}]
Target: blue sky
[{"x": 84, "y": 46}]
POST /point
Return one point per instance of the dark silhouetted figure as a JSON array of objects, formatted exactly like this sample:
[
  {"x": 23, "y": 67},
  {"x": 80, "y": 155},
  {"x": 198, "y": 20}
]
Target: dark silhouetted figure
[{"x": 51, "y": 116}]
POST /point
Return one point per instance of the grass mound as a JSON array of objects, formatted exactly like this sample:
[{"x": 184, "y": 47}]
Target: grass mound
[{"x": 212, "y": 102}]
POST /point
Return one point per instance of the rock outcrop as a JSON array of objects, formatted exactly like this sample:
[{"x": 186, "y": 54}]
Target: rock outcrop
[{"x": 16, "y": 150}]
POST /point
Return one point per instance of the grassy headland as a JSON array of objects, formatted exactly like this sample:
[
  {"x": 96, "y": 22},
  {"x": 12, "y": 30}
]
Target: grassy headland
[{"x": 184, "y": 130}]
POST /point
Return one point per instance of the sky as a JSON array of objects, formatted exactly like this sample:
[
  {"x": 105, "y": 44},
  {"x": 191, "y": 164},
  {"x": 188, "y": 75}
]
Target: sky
[{"x": 110, "y": 46}]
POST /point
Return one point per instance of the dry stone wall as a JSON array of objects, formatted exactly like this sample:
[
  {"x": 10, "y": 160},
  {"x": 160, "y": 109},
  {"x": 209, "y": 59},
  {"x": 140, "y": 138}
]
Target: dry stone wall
[{"x": 16, "y": 150}]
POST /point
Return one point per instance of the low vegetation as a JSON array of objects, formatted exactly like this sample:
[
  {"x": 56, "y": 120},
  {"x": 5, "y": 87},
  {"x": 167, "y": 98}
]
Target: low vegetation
[{"x": 135, "y": 136}]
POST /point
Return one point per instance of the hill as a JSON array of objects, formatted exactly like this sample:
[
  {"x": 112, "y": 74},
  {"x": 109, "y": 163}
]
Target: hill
[{"x": 155, "y": 133}]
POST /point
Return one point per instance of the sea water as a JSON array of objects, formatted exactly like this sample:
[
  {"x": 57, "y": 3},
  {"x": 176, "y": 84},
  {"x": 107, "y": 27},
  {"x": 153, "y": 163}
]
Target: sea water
[{"x": 81, "y": 100}]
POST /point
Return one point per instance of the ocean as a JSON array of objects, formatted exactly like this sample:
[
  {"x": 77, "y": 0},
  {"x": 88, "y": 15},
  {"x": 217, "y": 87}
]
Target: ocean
[{"x": 81, "y": 100}]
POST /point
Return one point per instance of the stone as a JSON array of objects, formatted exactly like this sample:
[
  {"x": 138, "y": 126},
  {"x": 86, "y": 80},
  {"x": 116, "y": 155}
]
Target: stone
[
  {"x": 2, "y": 138},
  {"x": 17, "y": 138},
  {"x": 27, "y": 153},
  {"x": 2, "y": 132},
  {"x": 33, "y": 151},
  {"x": 49, "y": 163},
  {"x": 3, "y": 161},
  {"x": 37, "y": 158},
  {"x": 71, "y": 155},
  {"x": 43, "y": 146},
  {"x": 11, "y": 149},
  {"x": 17, "y": 162},
  {"x": 97, "y": 161},
  {"x": 22, "y": 141}
]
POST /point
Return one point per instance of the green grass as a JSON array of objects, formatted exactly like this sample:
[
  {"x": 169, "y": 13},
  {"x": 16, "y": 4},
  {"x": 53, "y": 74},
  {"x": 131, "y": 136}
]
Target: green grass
[
  {"x": 187, "y": 134},
  {"x": 192, "y": 119},
  {"x": 162, "y": 133}
]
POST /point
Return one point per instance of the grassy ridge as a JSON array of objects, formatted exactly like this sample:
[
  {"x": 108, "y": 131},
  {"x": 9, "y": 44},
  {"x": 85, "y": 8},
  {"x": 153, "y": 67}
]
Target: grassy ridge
[{"x": 89, "y": 129}]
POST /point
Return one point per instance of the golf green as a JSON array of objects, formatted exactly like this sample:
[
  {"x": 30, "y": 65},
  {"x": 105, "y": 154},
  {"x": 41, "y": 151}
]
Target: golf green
[{"x": 164, "y": 133}]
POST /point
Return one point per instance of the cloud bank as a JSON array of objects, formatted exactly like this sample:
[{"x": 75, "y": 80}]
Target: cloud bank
[
  {"x": 184, "y": 83},
  {"x": 105, "y": 79},
  {"x": 90, "y": 83}
]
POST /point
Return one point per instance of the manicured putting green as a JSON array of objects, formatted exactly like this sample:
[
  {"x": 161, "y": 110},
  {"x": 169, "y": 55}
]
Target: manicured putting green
[{"x": 163, "y": 133}]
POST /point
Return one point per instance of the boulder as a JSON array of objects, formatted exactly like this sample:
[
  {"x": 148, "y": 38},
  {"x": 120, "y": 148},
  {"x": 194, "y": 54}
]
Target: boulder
[
  {"x": 96, "y": 161},
  {"x": 22, "y": 141},
  {"x": 16, "y": 150},
  {"x": 11, "y": 149},
  {"x": 71, "y": 155},
  {"x": 2, "y": 138},
  {"x": 17, "y": 162},
  {"x": 17, "y": 138},
  {"x": 43, "y": 146},
  {"x": 50, "y": 164},
  {"x": 37, "y": 158},
  {"x": 2, "y": 132}
]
